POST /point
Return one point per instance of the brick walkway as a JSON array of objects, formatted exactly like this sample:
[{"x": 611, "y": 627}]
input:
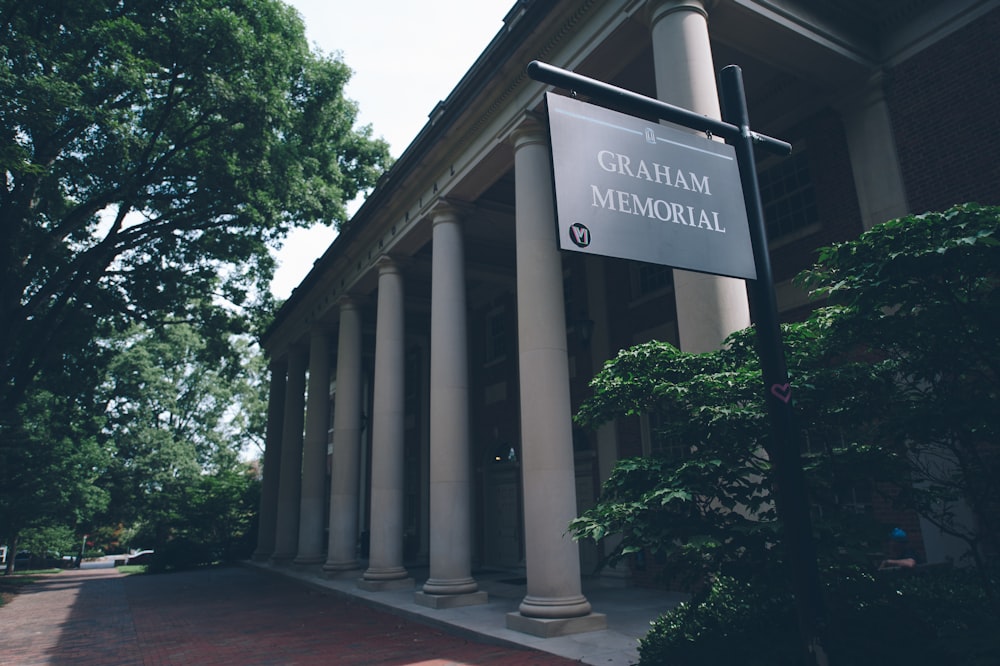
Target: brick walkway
[{"x": 221, "y": 616}]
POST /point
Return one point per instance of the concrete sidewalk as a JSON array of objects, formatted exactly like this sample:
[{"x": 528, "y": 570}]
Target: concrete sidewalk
[
  {"x": 629, "y": 611},
  {"x": 222, "y": 616}
]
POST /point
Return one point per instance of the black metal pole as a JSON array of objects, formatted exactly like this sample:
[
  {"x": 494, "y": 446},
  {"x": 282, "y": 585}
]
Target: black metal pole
[
  {"x": 790, "y": 492},
  {"x": 632, "y": 102}
]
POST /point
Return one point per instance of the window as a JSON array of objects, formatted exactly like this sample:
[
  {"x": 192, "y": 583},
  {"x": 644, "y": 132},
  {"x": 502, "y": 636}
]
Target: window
[
  {"x": 787, "y": 195},
  {"x": 654, "y": 277},
  {"x": 649, "y": 279}
]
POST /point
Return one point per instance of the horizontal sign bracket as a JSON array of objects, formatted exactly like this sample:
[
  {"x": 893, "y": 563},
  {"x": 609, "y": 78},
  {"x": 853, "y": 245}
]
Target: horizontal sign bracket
[{"x": 634, "y": 103}]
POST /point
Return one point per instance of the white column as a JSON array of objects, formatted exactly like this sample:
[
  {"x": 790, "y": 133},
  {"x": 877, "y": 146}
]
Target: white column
[
  {"x": 385, "y": 565},
  {"x": 290, "y": 485},
  {"x": 878, "y": 178},
  {"x": 709, "y": 307},
  {"x": 313, "y": 500},
  {"x": 450, "y": 582},
  {"x": 272, "y": 464},
  {"x": 554, "y": 595},
  {"x": 347, "y": 408}
]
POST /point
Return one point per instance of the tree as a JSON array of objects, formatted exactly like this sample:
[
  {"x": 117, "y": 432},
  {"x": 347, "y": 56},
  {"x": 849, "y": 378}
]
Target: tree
[
  {"x": 896, "y": 380},
  {"x": 215, "y": 521},
  {"x": 49, "y": 466},
  {"x": 709, "y": 508},
  {"x": 49, "y": 542},
  {"x": 177, "y": 418},
  {"x": 922, "y": 295},
  {"x": 151, "y": 153}
]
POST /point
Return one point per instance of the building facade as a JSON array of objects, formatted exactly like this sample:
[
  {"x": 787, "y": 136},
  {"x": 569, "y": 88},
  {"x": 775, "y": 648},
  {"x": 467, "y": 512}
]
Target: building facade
[{"x": 425, "y": 372}]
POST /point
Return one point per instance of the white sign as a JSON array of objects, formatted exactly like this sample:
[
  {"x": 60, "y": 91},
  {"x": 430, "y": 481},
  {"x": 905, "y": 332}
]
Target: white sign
[{"x": 634, "y": 189}]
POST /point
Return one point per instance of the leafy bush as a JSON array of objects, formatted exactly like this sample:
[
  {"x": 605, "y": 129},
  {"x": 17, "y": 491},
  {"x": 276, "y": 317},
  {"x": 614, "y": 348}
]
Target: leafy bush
[
  {"x": 714, "y": 507},
  {"x": 216, "y": 526},
  {"x": 730, "y": 622},
  {"x": 183, "y": 553},
  {"x": 52, "y": 541},
  {"x": 895, "y": 381},
  {"x": 938, "y": 616}
]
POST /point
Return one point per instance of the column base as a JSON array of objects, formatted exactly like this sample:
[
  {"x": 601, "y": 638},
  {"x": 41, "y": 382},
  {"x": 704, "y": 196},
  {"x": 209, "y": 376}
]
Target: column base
[
  {"x": 375, "y": 573},
  {"x": 554, "y": 608},
  {"x": 449, "y": 586},
  {"x": 341, "y": 569},
  {"x": 552, "y": 627},
  {"x": 450, "y": 600},
  {"x": 260, "y": 557},
  {"x": 383, "y": 585}
]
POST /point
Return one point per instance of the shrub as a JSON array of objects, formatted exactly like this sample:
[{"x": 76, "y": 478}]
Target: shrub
[
  {"x": 936, "y": 616},
  {"x": 730, "y": 622},
  {"x": 182, "y": 553}
]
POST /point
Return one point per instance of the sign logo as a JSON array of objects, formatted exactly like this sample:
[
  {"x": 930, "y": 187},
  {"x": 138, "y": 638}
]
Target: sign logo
[
  {"x": 650, "y": 136},
  {"x": 580, "y": 235}
]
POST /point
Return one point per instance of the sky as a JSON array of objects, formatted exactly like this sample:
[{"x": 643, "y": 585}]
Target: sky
[{"x": 406, "y": 57}]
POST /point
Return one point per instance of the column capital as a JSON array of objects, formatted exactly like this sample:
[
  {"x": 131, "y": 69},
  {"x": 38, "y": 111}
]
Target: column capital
[
  {"x": 387, "y": 264},
  {"x": 526, "y": 130},
  {"x": 872, "y": 93},
  {"x": 446, "y": 211},
  {"x": 350, "y": 302},
  {"x": 657, "y": 9}
]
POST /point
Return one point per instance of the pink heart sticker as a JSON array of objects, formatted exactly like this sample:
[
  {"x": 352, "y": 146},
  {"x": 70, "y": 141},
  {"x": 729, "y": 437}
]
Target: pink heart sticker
[{"x": 782, "y": 392}]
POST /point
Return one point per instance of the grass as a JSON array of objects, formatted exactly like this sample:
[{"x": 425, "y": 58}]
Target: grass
[{"x": 11, "y": 585}]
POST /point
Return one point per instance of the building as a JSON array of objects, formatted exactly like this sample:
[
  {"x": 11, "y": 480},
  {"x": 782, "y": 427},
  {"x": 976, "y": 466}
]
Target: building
[{"x": 447, "y": 340}]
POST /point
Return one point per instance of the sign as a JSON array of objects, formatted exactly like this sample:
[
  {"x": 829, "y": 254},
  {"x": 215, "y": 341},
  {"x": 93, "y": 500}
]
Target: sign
[{"x": 634, "y": 189}]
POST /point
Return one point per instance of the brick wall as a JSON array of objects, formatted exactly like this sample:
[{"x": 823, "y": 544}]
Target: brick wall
[{"x": 943, "y": 103}]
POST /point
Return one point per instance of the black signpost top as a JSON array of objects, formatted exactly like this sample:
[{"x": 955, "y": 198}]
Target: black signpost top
[{"x": 634, "y": 103}]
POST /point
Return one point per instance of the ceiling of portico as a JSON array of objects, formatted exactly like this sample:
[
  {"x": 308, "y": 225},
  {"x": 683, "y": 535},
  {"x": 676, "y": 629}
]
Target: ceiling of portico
[
  {"x": 869, "y": 20},
  {"x": 776, "y": 96},
  {"x": 806, "y": 53}
]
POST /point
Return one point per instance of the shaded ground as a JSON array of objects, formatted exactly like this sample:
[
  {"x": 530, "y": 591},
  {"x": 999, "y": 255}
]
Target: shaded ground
[{"x": 221, "y": 616}]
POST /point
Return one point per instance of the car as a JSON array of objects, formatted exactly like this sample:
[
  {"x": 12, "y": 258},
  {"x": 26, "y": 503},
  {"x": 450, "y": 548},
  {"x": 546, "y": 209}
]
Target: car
[{"x": 139, "y": 557}]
